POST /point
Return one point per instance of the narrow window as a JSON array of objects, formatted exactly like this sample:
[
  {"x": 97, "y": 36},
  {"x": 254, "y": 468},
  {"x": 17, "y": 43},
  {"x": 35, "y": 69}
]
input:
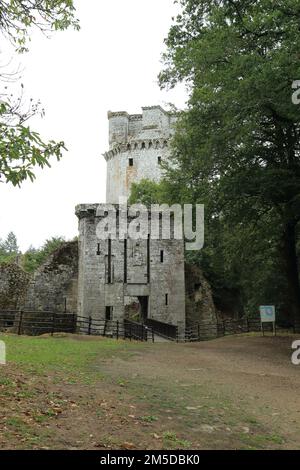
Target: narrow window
[
  {"x": 148, "y": 260},
  {"x": 125, "y": 261},
  {"x": 109, "y": 276},
  {"x": 143, "y": 145},
  {"x": 108, "y": 313},
  {"x": 167, "y": 299},
  {"x": 159, "y": 160},
  {"x": 161, "y": 256},
  {"x": 98, "y": 249},
  {"x": 130, "y": 161}
]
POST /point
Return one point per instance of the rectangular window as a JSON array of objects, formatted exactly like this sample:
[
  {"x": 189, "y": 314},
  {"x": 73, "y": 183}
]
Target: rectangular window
[
  {"x": 161, "y": 256},
  {"x": 109, "y": 276},
  {"x": 159, "y": 160},
  {"x": 125, "y": 261},
  {"x": 108, "y": 313},
  {"x": 167, "y": 299},
  {"x": 130, "y": 161}
]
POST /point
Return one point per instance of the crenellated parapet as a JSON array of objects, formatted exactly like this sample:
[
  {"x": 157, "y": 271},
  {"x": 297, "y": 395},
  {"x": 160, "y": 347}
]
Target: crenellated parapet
[
  {"x": 135, "y": 145},
  {"x": 153, "y": 124}
]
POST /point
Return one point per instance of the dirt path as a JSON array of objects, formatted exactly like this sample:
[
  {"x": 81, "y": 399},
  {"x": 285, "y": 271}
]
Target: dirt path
[{"x": 232, "y": 393}]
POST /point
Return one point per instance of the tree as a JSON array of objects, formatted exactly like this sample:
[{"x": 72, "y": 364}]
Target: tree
[
  {"x": 17, "y": 17},
  {"x": 146, "y": 192},
  {"x": 9, "y": 249},
  {"x": 21, "y": 149},
  {"x": 10, "y": 245},
  {"x": 237, "y": 147},
  {"x": 34, "y": 258}
]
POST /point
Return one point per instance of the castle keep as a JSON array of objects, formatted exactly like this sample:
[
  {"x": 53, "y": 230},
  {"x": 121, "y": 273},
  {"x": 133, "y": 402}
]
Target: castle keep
[
  {"x": 138, "y": 143},
  {"x": 118, "y": 277}
]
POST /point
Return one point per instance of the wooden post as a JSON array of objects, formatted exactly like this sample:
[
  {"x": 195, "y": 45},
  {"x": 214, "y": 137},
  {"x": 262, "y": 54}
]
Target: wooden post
[
  {"x": 20, "y": 323},
  {"x": 74, "y": 323},
  {"x": 90, "y": 326},
  {"x": 53, "y": 324}
]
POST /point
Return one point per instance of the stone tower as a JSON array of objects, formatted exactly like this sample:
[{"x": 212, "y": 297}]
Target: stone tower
[
  {"x": 117, "y": 274},
  {"x": 138, "y": 143}
]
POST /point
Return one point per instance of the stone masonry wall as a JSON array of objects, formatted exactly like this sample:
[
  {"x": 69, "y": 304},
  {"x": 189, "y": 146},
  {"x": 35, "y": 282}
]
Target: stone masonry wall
[
  {"x": 54, "y": 285},
  {"x": 199, "y": 301},
  {"x": 147, "y": 276},
  {"x": 14, "y": 283}
]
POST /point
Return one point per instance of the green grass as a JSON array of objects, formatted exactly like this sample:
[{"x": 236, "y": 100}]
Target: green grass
[
  {"x": 179, "y": 413},
  {"x": 74, "y": 357}
]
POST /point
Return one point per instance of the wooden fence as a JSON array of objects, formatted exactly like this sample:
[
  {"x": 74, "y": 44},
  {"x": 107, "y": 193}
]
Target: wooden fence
[
  {"x": 164, "y": 330},
  {"x": 38, "y": 323}
]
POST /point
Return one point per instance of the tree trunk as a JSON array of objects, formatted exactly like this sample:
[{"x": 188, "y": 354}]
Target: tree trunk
[{"x": 292, "y": 270}]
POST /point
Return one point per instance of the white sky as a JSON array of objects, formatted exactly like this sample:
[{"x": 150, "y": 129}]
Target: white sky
[{"x": 111, "y": 64}]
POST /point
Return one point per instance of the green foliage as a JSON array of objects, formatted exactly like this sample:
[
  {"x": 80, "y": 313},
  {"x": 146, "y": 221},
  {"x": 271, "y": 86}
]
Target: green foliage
[
  {"x": 17, "y": 17},
  {"x": 34, "y": 258},
  {"x": 9, "y": 249},
  {"x": 237, "y": 147},
  {"x": 147, "y": 192},
  {"x": 21, "y": 149}
]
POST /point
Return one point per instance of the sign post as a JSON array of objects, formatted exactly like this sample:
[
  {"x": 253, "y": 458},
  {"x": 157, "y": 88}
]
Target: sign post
[{"x": 267, "y": 315}]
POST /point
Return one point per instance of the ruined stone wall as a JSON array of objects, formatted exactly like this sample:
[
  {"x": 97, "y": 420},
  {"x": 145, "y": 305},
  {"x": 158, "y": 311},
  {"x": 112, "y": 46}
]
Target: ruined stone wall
[
  {"x": 54, "y": 285},
  {"x": 199, "y": 301},
  {"x": 138, "y": 143},
  {"x": 137, "y": 270},
  {"x": 13, "y": 286}
]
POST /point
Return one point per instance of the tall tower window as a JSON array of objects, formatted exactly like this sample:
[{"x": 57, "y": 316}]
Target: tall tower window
[
  {"x": 130, "y": 161},
  {"x": 108, "y": 313}
]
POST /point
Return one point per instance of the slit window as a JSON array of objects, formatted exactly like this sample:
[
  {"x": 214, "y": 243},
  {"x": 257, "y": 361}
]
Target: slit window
[
  {"x": 130, "y": 161},
  {"x": 161, "y": 256},
  {"x": 98, "y": 249},
  {"x": 108, "y": 313},
  {"x": 167, "y": 299}
]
